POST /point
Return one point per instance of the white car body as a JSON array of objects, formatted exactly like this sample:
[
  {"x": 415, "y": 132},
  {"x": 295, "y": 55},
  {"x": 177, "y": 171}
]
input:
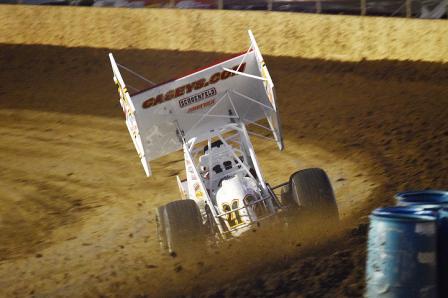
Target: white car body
[{"x": 211, "y": 108}]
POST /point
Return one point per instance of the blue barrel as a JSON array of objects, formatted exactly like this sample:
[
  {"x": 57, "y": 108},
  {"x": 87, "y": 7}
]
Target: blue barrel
[
  {"x": 433, "y": 197},
  {"x": 443, "y": 252},
  {"x": 401, "y": 253}
]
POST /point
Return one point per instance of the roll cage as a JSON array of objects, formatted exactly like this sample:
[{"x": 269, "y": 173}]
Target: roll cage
[{"x": 226, "y": 152}]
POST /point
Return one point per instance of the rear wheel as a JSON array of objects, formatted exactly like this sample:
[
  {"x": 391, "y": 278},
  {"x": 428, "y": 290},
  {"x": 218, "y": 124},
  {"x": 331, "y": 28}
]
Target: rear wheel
[
  {"x": 311, "y": 191},
  {"x": 181, "y": 229}
]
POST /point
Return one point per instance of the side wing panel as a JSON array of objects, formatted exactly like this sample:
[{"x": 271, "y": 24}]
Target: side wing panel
[
  {"x": 273, "y": 117},
  {"x": 129, "y": 111}
]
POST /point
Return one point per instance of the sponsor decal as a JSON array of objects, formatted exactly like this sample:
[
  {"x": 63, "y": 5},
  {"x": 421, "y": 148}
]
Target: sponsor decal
[
  {"x": 197, "y": 97},
  {"x": 198, "y": 193},
  {"x": 122, "y": 92},
  {"x": 201, "y": 106},
  {"x": 190, "y": 87},
  {"x": 196, "y": 186}
]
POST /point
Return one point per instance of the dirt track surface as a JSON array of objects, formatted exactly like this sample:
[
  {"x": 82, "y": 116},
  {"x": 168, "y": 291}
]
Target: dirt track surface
[{"x": 76, "y": 217}]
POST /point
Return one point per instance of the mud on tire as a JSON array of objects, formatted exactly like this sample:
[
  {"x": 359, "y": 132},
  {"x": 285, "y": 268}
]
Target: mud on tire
[{"x": 160, "y": 224}]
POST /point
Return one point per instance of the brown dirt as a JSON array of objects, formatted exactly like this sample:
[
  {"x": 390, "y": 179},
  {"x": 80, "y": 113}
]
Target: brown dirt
[{"x": 76, "y": 217}]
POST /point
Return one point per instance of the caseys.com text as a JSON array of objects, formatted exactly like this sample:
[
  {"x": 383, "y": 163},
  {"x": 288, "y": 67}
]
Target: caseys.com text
[{"x": 188, "y": 88}]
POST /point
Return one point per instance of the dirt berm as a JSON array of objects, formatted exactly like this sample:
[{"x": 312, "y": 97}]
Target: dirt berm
[{"x": 76, "y": 212}]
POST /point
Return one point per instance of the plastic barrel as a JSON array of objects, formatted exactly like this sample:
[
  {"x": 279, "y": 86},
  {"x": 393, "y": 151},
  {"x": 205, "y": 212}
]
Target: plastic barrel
[
  {"x": 433, "y": 197},
  {"x": 401, "y": 253},
  {"x": 443, "y": 252}
]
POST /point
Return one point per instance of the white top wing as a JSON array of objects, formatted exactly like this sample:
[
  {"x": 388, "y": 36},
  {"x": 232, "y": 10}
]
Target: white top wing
[{"x": 237, "y": 89}]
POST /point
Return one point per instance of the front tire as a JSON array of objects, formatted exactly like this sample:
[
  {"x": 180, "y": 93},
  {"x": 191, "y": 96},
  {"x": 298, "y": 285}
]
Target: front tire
[{"x": 311, "y": 191}]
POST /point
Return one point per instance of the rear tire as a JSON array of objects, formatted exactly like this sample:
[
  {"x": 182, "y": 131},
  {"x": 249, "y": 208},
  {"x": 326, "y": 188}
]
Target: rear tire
[
  {"x": 181, "y": 227},
  {"x": 311, "y": 191}
]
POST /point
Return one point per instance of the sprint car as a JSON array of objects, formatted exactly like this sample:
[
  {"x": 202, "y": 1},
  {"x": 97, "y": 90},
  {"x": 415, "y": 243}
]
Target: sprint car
[{"x": 210, "y": 115}]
